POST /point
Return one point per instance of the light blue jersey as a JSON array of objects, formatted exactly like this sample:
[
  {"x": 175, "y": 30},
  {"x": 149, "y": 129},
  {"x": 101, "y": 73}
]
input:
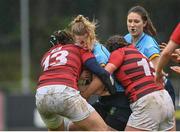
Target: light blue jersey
[
  {"x": 145, "y": 44},
  {"x": 102, "y": 55}
]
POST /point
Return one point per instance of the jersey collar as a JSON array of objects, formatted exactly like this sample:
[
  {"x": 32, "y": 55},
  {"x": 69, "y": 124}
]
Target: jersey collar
[{"x": 139, "y": 40}]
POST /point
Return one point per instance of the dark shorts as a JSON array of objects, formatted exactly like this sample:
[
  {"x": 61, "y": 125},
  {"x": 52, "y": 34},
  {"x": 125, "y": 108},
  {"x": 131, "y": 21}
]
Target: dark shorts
[
  {"x": 114, "y": 110},
  {"x": 170, "y": 89}
]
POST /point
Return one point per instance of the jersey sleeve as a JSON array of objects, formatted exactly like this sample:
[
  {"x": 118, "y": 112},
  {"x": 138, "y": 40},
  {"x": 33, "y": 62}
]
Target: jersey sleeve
[
  {"x": 116, "y": 57},
  {"x": 175, "y": 36},
  {"x": 101, "y": 53},
  {"x": 152, "y": 49},
  {"x": 104, "y": 76}
]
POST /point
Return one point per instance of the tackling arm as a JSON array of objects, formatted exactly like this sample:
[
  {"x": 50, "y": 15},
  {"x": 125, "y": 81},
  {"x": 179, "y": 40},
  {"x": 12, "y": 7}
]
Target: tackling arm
[{"x": 103, "y": 75}]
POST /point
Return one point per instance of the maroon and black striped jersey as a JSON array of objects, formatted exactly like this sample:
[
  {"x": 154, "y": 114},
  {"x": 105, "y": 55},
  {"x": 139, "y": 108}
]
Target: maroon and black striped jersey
[
  {"x": 135, "y": 72},
  {"x": 62, "y": 65}
]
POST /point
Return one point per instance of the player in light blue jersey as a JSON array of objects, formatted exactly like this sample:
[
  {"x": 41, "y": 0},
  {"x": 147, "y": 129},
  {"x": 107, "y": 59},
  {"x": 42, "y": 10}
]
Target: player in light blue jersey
[
  {"x": 146, "y": 45},
  {"x": 102, "y": 56},
  {"x": 141, "y": 33},
  {"x": 114, "y": 109}
]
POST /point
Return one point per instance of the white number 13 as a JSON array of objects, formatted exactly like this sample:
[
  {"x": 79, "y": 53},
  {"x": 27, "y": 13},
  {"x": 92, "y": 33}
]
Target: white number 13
[{"x": 59, "y": 58}]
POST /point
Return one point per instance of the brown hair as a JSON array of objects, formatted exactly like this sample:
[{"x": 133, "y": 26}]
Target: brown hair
[
  {"x": 116, "y": 41},
  {"x": 61, "y": 37},
  {"x": 149, "y": 28}
]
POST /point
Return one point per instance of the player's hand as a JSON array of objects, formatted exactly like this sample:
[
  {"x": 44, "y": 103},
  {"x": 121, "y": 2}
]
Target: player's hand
[
  {"x": 159, "y": 78},
  {"x": 86, "y": 75},
  {"x": 105, "y": 93},
  {"x": 109, "y": 84},
  {"x": 176, "y": 68},
  {"x": 102, "y": 91},
  {"x": 162, "y": 46},
  {"x": 175, "y": 56}
]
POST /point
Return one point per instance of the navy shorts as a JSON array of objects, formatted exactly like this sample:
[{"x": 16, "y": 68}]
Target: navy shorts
[
  {"x": 114, "y": 110},
  {"x": 169, "y": 87}
]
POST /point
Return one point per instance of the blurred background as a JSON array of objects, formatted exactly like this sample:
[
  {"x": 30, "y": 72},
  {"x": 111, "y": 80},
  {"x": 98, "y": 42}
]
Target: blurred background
[{"x": 25, "y": 27}]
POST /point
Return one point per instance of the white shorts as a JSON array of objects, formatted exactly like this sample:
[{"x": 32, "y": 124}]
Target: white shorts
[
  {"x": 54, "y": 102},
  {"x": 154, "y": 111}
]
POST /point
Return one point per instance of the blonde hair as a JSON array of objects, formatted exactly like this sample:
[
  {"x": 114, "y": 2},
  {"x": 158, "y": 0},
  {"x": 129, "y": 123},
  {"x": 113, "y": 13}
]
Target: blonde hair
[{"x": 81, "y": 25}]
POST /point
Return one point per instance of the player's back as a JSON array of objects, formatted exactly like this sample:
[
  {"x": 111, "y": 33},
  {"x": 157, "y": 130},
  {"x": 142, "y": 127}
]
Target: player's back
[
  {"x": 136, "y": 74},
  {"x": 61, "y": 65}
]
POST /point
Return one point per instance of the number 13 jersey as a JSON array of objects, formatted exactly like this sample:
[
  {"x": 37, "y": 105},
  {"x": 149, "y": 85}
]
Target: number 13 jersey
[{"x": 62, "y": 65}]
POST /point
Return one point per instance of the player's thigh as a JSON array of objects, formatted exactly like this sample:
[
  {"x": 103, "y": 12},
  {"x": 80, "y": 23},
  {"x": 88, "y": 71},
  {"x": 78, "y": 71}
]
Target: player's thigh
[
  {"x": 52, "y": 121},
  {"x": 118, "y": 118},
  {"x": 76, "y": 108},
  {"x": 115, "y": 123},
  {"x": 67, "y": 102},
  {"x": 169, "y": 87},
  {"x": 92, "y": 122},
  {"x": 168, "y": 113},
  {"x": 151, "y": 110},
  {"x": 101, "y": 109}
]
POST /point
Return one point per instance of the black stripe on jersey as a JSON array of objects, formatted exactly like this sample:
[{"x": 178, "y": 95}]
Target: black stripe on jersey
[
  {"x": 131, "y": 61},
  {"x": 132, "y": 70},
  {"x": 137, "y": 77},
  {"x": 152, "y": 69},
  {"x": 70, "y": 82},
  {"x": 143, "y": 84},
  {"x": 145, "y": 92},
  {"x": 131, "y": 52}
]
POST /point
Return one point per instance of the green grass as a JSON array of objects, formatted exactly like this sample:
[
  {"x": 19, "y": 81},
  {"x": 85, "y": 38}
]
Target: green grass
[{"x": 177, "y": 114}]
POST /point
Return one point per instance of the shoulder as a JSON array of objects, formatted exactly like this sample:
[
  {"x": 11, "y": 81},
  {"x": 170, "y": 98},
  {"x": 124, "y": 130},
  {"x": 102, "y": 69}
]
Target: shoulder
[
  {"x": 96, "y": 45},
  {"x": 119, "y": 51},
  {"x": 150, "y": 40},
  {"x": 99, "y": 47},
  {"x": 128, "y": 37},
  {"x": 131, "y": 46}
]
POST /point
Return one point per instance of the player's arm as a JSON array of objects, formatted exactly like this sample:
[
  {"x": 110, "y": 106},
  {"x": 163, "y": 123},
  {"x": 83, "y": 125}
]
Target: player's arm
[
  {"x": 154, "y": 61},
  {"x": 175, "y": 56},
  {"x": 84, "y": 80},
  {"x": 96, "y": 84},
  {"x": 176, "y": 68},
  {"x": 164, "y": 59},
  {"x": 110, "y": 67},
  {"x": 103, "y": 75},
  {"x": 93, "y": 87}
]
